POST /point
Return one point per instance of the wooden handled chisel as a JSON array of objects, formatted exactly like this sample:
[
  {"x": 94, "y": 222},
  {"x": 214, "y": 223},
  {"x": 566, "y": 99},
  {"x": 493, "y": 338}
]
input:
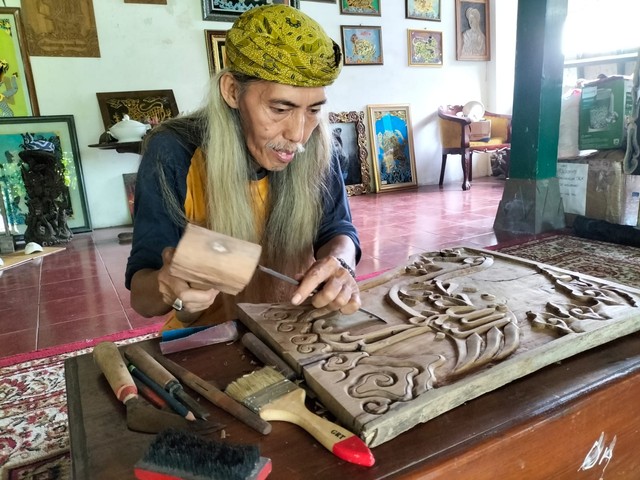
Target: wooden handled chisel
[{"x": 150, "y": 366}]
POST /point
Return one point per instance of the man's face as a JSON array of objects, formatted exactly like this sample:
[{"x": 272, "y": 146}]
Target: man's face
[{"x": 278, "y": 119}]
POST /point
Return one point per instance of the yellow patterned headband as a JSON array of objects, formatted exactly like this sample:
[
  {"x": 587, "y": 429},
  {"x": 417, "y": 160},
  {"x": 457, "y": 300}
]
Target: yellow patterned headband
[{"x": 281, "y": 44}]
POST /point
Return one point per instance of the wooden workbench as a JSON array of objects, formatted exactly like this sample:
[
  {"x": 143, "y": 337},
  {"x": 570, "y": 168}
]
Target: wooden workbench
[{"x": 539, "y": 427}]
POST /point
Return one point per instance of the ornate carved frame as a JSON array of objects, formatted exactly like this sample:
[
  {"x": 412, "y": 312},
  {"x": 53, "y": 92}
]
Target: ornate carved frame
[{"x": 355, "y": 120}]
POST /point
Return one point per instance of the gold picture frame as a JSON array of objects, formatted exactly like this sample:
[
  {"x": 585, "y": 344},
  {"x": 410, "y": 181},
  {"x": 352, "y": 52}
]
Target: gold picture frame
[
  {"x": 350, "y": 144},
  {"x": 394, "y": 164}
]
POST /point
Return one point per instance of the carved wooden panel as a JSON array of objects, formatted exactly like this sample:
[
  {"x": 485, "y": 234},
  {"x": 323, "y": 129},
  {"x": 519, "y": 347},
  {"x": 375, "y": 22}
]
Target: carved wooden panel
[
  {"x": 61, "y": 28},
  {"x": 447, "y": 327}
]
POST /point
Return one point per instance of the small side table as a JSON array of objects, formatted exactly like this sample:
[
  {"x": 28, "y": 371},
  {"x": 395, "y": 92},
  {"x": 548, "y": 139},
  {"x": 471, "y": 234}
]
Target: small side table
[{"x": 121, "y": 147}]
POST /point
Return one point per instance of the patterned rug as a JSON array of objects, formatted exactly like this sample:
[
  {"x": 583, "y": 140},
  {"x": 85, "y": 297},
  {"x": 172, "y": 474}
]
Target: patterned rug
[
  {"x": 34, "y": 436},
  {"x": 618, "y": 263}
]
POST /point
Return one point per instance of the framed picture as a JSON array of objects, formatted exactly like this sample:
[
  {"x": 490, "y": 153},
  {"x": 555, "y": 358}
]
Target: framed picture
[
  {"x": 59, "y": 130},
  {"x": 362, "y": 45},
  {"x": 472, "y": 30},
  {"x": 229, "y": 10},
  {"x": 17, "y": 90},
  {"x": 360, "y": 7},
  {"x": 394, "y": 166},
  {"x": 129, "y": 180},
  {"x": 424, "y": 48},
  {"x": 147, "y": 106},
  {"x": 350, "y": 144},
  {"x": 423, "y": 9},
  {"x": 215, "y": 50}
]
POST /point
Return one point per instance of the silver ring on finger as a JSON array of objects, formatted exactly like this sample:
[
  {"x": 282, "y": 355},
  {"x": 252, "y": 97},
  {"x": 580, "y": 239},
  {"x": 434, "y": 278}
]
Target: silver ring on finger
[{"x": 177, "y": 305}]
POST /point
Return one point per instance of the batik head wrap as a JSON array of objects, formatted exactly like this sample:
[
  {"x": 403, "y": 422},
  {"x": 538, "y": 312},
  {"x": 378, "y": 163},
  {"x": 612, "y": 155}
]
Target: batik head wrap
[{"x": 281, "y": 44}]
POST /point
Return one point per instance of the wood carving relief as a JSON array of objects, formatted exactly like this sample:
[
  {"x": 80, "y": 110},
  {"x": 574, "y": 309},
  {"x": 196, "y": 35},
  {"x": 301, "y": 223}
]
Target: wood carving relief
[
  {"x": 446, "y": 328},
  {"x": 61, "y": 28}
]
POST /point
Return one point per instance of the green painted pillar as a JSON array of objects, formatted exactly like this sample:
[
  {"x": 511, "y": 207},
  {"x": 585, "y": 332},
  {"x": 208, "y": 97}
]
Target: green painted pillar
[{"x": 531, "y": 200}]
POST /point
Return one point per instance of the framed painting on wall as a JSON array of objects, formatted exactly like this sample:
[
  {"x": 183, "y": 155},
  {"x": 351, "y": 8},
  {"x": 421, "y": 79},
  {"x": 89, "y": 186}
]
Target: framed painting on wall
[
  {"x": 360, "y": 7},
  {"x": 425, "y": 48},
  {"x": 350, "y": 144},
  {"x": 59, "y": 129},
  {"x": 362, "y": 45},
  {"x": 229, "y": 10},
  {"x": 17, "y": 89},
  {"x": 215, "y": 50},
  {"x": 146, "y": 106},
  {"x": 394, "y": 165},
  {"x": 472, "y": 30},
  {"x": 423, "y": 9}
]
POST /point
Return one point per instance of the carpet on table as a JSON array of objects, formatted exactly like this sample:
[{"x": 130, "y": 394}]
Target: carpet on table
[
  {"x": 608, "y": 261},
  {"x": 34, "y": 435}
]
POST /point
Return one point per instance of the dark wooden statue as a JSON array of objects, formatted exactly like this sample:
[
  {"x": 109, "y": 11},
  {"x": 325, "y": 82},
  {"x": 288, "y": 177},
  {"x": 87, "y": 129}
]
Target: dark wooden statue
[{"x": 47, "y": 195}]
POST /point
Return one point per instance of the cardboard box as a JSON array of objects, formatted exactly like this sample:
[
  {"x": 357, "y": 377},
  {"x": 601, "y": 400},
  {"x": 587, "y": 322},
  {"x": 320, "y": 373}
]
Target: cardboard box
[
  {"x": 480, "y": 131},
  {"x": 596, "y": 186},
  {"x": 605, "y": 109}
]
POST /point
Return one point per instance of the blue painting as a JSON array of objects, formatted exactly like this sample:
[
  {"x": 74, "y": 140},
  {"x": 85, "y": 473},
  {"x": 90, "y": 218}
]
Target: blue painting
[{"x": 395, "y": 165}]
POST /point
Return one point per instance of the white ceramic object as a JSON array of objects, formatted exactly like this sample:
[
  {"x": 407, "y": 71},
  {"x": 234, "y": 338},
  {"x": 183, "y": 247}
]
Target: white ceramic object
[
  {"x": 127, "y": 130},
  {"x": 473, "y": 110},
  {"x": 32, "y": 247}
]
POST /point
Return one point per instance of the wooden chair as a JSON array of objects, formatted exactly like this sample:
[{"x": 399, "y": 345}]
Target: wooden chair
[{"x": 454, "y": 134}]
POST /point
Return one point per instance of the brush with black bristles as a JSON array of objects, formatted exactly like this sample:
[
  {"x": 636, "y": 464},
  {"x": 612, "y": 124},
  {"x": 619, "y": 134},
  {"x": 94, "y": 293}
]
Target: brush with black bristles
[
  {"x": 268, "y": 393},
  {"x": 180, "y": 455}
]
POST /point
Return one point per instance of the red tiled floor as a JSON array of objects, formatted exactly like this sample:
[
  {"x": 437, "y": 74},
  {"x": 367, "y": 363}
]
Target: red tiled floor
[{"x": 79, "y": 293}]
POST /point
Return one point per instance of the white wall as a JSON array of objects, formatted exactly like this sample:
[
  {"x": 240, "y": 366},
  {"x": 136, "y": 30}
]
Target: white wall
[{"x": 153, "y": 47}]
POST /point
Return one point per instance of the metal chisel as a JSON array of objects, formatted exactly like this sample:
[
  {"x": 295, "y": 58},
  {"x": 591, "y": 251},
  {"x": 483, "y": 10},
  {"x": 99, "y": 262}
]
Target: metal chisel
[{"x": 293, "y": 281}]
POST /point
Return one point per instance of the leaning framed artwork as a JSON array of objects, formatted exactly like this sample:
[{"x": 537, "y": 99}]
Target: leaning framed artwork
[
  {"x": 350, "y": 144},
  {"x": 215, "y": 50},
  {"x": 58, "y": 130},
  {"x": 394, "y": 165},
  {"x": 424, "y": 48},
  {"x": 362, "y": 45},
  {"x": 146, "y": 106},
  {"x": 423, "y": 9},
  {"x": 229, "y": 10},
  {"x": 360, "y": 7},
  {"x": 17, "y": 89},
  {"x": 472, "y": 30}
]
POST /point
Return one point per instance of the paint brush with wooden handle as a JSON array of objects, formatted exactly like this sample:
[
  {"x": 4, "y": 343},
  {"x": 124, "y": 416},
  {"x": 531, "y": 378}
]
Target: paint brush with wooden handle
[{"x": 271, "y": 395}]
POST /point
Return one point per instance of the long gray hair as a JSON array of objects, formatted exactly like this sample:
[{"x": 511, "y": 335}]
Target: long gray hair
[{"x": 294, "y": 206}]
